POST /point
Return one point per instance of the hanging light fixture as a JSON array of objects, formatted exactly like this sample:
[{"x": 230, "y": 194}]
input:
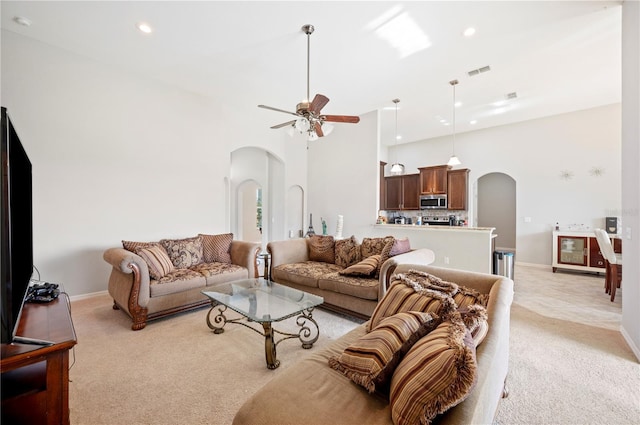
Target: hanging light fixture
[
  {"x": 396, "y": 168},
  {"x": 454, "y": 159}
]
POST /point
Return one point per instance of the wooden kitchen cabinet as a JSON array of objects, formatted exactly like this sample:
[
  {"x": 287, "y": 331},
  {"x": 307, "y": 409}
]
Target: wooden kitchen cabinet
[
  {"x": 402, "y": 192},
  {"x": 433, "y": 180},
  {"x": 457, "y": 189}
]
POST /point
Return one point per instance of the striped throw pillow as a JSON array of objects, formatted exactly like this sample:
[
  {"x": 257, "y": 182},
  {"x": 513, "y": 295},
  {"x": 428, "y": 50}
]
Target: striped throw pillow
[
  {"x": 437, "y": 373},
  {"x": 217, "y": 248},
  {"x": 403, "y": 295},
  {"x": 366, "y": 267},
  {"x": 371, "y": 360},
  {"x": 157, "y": 260}
]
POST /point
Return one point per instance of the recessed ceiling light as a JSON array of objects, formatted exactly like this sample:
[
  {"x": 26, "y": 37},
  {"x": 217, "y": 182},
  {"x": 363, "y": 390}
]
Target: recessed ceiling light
[
  {"x": 457, "y": 104},
  {"x": 144, "y": 27},
  {"x": 472, "y": 122},
  {"x": 21, "y": 20},
  {"x": 469, "y": 32}
]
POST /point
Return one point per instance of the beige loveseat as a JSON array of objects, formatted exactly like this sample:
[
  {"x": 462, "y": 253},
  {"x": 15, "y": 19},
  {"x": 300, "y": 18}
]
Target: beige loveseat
[
  {"x": 310, "y": 392},
  {"x": 150, "y": 280},
  {"x": 296, "y": 263}
]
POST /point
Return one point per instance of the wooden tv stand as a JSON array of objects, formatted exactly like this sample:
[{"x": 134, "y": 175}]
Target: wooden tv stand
[{"x": 35, "y": 378}]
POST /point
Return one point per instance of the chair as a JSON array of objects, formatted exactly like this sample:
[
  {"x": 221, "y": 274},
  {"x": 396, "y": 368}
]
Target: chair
[{"x": 612, "y": 261}]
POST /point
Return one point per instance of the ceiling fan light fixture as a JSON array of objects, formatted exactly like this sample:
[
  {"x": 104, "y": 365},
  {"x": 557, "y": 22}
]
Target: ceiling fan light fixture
[
  {"x": 313, "y": 136},
  {"x": 302, "y": 125}
]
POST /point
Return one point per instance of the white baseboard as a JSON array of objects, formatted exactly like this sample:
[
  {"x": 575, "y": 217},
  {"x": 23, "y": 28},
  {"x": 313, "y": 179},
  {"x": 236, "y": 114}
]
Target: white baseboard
[
  {"x": 630, "y": 342},
  {"x": 86, "y": 296},
  {"x": 538, "y": 266}
]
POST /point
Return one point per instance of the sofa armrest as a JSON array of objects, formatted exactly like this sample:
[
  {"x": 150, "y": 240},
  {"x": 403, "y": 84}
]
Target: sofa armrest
[
  {"x": 420, "y": 256},
  {"x": 128, "y": 282},
  {"x": 288, "y": 251},
  {"x": 245, "y": 254}
]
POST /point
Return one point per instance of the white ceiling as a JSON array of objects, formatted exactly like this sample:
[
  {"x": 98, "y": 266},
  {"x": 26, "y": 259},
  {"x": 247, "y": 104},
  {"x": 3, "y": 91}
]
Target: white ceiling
[{"x": 557, "y": 56}]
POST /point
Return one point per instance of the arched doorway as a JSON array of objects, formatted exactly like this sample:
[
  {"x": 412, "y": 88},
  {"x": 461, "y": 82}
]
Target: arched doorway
[{"x": 496, "y": 207}]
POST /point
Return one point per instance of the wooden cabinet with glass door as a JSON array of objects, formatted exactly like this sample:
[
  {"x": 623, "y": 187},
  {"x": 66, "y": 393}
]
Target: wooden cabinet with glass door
[{"x": 579, "y": 251}]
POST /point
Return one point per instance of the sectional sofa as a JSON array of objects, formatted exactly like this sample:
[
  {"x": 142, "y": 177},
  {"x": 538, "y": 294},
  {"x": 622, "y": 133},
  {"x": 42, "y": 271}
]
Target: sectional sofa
[{"x": 313, "y": 392}]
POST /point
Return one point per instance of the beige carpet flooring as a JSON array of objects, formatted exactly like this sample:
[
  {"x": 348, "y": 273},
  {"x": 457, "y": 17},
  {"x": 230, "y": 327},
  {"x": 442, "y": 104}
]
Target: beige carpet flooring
[{"x": 568, "y": 365}]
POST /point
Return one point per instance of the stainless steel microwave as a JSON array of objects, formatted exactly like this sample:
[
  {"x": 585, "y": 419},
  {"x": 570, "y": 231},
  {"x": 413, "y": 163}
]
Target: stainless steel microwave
[{"x": 433, "y": 202}]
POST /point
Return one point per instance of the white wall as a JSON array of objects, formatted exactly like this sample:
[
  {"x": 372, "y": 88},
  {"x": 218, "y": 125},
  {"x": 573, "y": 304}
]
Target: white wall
[
  {"x": 535, "y": 153},
  {"x": 631, "y": 174},
  {"x": 343, "y": 177},
  {"x": 118, "y": 156}
]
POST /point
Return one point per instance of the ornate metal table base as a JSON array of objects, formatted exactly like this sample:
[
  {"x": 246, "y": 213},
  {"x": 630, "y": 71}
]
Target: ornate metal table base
[{"x": 307, "y": 335}]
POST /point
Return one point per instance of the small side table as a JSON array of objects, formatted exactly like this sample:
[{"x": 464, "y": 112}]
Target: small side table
[{"x": 265, "y": 256}]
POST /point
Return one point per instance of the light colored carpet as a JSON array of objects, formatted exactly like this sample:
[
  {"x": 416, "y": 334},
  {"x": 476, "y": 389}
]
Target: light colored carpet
[{"x": 569, "y": 364}]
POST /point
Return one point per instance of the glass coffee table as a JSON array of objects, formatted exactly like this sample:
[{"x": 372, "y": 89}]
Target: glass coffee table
[{"x": 262, "y": 301}]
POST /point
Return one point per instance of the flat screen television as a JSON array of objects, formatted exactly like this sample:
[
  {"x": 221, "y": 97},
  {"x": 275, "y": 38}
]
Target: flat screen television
[{"x": 17, "y": 229}]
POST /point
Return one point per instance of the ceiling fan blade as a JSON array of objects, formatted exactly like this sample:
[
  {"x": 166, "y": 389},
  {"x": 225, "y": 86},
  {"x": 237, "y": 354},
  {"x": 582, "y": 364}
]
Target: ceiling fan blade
[
  {"x": 318, "y": 103},
  {"x": 284, "y": 124},
  {"x": 276, "y": 109},
  {"x": 341, "y": 118},
  {"x": 318, "y": 128}
]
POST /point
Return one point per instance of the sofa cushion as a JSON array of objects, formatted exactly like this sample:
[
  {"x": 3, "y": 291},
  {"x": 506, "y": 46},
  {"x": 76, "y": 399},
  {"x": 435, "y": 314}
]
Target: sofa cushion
[
  {"x": 306, "y": 273},
  {"x": 373, "y": 246},
  {"x": 217, "y": 248},
  {"x": 385, "y": 254},
  {"x": 437, "y": 373},
  {"x": 321, "y": 248},
  {"x": 366, "y": 267},
  {"x": 184, "y": 253},
  {"x": 347, "y": 252},
  {"x": 405, "y": 294},
  {"x": 216, "y": 273},
  {"x": 357, "y": 286},
  {"x": 176, "y": 281},
  {"x": 157, "y": 259},
  {"x": 371, "y": 360}
]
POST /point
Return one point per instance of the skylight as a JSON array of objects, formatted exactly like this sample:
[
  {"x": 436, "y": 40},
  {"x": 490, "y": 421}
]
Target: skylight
[{"x": 401, "y": 32}]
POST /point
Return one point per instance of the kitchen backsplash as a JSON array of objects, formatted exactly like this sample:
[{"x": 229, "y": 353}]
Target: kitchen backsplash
[{"x": 422, "y": 217}]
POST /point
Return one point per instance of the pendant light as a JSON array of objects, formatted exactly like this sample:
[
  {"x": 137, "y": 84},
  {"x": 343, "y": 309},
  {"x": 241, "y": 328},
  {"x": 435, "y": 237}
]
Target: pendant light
[
  {"x": 396, "y": 168},
  {"x": 454, "y": 159}
]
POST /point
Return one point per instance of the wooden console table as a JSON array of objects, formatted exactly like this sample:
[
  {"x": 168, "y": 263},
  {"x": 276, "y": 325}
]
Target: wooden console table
[{"x": 35, "y": 378}]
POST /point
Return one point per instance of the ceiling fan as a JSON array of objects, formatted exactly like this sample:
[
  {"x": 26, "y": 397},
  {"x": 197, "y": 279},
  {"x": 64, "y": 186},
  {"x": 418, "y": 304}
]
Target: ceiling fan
[{"x": 309, "y": 119}]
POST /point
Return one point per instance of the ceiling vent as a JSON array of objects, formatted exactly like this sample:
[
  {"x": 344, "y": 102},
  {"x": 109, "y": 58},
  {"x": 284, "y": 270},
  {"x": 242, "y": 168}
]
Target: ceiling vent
[
  {"x": 475, "y": 72},
  {"x": 511, "y": 95}
]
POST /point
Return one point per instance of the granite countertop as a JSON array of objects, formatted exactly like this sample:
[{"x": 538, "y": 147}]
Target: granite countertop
[{"x": 437, "y": 227}]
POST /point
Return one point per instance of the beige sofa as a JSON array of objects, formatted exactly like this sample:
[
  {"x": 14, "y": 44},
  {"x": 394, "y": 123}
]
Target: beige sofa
[
  {"x": 144, "y": 293},
  {"x": 310, "y": 392},
  {"x": 292, "y": 264}
]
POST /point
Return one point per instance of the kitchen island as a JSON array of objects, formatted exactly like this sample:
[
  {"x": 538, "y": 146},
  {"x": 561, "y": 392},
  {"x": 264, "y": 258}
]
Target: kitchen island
[{"x": 456, "y": 247}]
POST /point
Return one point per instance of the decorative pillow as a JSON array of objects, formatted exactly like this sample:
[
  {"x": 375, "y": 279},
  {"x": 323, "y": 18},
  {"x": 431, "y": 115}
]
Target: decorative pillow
[
  {"x": 373, "y": 246},
  {"x": 437, "y": 373},
  {"x": 371, "y": 360},
  {"x": 384, "y": 254},
  {"x": 321, "y": 248},
  {"x": 184, "y": 253},
  {"x": 405, "y": 294},
  {"x": 400, "y": 246},
  {"x": 217, "y": 248},
  {"x": 475, "y": 319},
  {"x": 366, "y": 267},
  {"x": 347, "y": 252},
  {"x": 466, "y": 297},
  {"x": 132, "y": 246},
  {"x": 462, "y": 295},
  {"x": 157, "y": 260}
]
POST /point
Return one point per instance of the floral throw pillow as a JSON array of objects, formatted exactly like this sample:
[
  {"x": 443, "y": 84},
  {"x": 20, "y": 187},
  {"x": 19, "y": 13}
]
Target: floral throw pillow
[
  {"x": 321, "y": 248},
  {"x": 347, "y": 252},
  {"x": 184, "y": 253}
]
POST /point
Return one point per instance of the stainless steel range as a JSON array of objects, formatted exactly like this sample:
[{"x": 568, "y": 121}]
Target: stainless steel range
[{"x": 435, "y": 221}]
